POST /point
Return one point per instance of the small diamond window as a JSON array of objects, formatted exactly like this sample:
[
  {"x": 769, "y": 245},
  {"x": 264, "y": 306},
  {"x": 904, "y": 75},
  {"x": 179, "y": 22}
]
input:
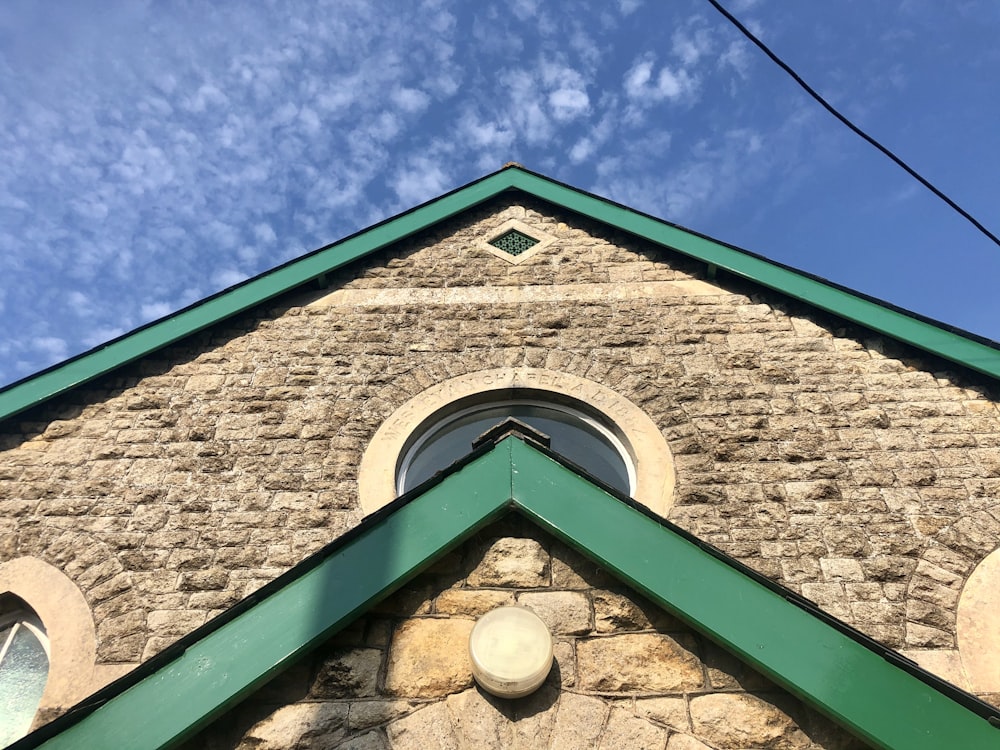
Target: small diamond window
[{"x": 514, "y": 242}]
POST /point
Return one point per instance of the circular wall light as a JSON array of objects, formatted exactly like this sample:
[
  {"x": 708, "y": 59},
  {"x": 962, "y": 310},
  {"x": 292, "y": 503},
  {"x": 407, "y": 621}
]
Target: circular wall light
[{"x": 511, "y": 652}]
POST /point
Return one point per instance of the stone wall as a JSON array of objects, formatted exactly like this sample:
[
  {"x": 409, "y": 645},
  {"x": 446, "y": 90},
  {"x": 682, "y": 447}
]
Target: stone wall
[
  {"x": 852, "y": 470},
  {"x": 628, "y": 676}
]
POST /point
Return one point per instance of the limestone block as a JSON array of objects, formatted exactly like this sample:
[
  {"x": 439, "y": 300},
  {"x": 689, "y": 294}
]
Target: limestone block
[
  {"x": 614, "y": 612},
  {"x": 565, "y": 657},
  {"x": 669, "y": 711},
  {"x": 627, "y": 731},
  {"x": 312, "y": 725},
  {"x": 471, "y": 602},
  {"x": 564, "y": 612},
  {"x": 643, "y": 662},
  {"x": 686, "y": 742},
  {"x": 427, "y": 728},
  {"x": 429, "y": 658},
  {"x": 350, "y": 673},
  {"x": 534, "y": 717},
  {"x": 521, "y": 563},
  {"x": 478, "y": 724},
  {"x": 364, "y": 714},
  {"x": 367, "y": 741},
  {"x": 732, "y": 721},
  {"x": 841, "y": 569},
  {"x": 579, "y": 721}
]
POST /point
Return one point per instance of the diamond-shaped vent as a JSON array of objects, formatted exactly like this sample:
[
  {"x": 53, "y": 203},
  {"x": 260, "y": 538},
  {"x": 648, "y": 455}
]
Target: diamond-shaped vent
[{"x": 514, "y": 242}]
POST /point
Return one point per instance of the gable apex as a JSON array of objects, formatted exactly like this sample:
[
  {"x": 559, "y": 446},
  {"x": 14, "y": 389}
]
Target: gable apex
[
  {"x": 867, "y": 689},
  {"x": 960, "y": 347}
]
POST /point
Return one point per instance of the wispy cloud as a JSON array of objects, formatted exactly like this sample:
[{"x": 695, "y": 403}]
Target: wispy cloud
[{"x": 153, "y": 156}]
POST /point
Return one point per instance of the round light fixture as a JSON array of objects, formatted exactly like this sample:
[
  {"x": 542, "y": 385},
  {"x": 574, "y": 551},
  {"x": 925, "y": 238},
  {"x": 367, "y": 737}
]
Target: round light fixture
[{"x": 511, "y": 652}]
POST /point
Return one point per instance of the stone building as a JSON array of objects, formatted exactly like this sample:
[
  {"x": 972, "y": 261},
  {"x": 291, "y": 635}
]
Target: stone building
[{"x": 199, "y": 524}]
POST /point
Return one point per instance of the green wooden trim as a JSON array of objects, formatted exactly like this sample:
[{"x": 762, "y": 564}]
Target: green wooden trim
[
  {"x": 919, "y": 333},
  {"x": 924, "y": 335},
  {"x": 859, "y": 689},
  {"x": 886, "y": 706},
  {"x": 61, "y": 378},
  {"x": 230, "y": 663}
]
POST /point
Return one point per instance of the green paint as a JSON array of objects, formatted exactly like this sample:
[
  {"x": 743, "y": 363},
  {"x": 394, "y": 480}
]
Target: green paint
[
  {"x": 923, "y": 335},
  {"x": 859, "y": 689}
]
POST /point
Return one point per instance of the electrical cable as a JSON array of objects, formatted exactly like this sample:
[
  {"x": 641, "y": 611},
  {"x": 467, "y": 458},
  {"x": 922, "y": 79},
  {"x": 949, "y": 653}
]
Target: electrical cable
[{"x": 854, "y": 128}]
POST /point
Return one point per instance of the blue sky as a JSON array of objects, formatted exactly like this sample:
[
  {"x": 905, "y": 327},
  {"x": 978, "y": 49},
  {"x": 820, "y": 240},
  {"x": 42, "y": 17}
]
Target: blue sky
[{"x": 156, "y": 152}]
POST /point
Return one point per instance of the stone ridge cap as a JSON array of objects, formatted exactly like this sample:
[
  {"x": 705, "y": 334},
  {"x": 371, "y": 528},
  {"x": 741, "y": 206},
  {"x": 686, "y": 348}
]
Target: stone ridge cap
[
  {"x": 962, "y": 347},
  {"x": 162, "y": 660}
]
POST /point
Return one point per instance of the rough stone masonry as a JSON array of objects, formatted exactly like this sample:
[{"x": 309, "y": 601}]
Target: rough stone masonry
[
  {"x": 855, "y": 471},
  {"x": 628, "y": 675}
]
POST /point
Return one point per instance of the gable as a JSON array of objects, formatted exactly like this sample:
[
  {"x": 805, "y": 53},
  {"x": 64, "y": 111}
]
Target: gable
[
  {"x": 829, "y": 666},
  {"x": 627, "y": 674},
  {"x": 230, "y": 456},
  {"x": 964, "y": 349}
]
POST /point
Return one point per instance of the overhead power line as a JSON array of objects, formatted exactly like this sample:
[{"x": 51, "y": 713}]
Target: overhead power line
[{"x": 833, "y": 111}]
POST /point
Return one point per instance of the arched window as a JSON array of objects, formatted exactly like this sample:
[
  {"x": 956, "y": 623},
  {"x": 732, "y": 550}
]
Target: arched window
[
  {"x": 24, "y": 667},
  {"x": 582, "y": 438},
  {"x": 588, "y": 423}
]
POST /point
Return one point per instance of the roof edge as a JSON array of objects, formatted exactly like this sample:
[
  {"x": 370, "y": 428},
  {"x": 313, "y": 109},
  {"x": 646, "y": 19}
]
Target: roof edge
[
  {"x": 962, "y": 348},
  {"x": 765, "y": 626}
]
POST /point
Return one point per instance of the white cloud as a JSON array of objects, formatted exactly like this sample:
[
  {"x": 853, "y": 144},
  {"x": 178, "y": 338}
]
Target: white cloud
[
  {"x": 568, "y": 104},
  {"x": 411, "y": 100},
  {"x": 419, "y": 181},
  {"x": 155, "y": 310},
  {"x": 227, "y": 277},
  {"x": 645, "y": 87},
  {"x": 628, "y": 7},
  {"x": 51, "y": 348}
]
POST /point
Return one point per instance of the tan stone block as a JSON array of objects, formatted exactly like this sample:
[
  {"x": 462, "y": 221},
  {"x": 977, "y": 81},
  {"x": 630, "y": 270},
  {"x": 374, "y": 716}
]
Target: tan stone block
[
  {"x": 571, "y": 570},
  {"x": 174, "y": 623},
  {"x": 644, "y": 663},
  {"x": 478, "y": 722},
  {"x": 364, "y": 714},
  {"x": 424, "y": 729},
  {"x": 579, "y": 721},
  {"x": 670, "y": 711},
  {"x": 471, "y": 602},
  {"x": 533, "y": 718},
  {"x": 627, "y": 731},
  {"x": 429, "y": 658},
  {"x": 686, "y": 742},
  {"x": 732, "y": 721},
  {"x": 615, "y": 612},
  {"x": 348, "y": 673},
  {"x": 564, "y": 612},
  {"x": 564, "y": 654},
  {"x": 841, "y": 569},
  {"x": 521, "y": 563},
  {"x": 311, "y": 724},
  {"x": 367, "y": 741}
]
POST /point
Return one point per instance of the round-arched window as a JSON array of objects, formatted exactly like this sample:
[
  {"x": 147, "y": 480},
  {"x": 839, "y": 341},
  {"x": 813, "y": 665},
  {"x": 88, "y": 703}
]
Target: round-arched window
[
  {"x": 579, "y": 437},
  {"x": 24, "y": 668}
]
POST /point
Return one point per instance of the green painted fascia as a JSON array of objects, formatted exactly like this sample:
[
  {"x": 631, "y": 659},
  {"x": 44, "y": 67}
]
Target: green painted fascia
[
  {"x": 857, "y": 687},
  {"x": 922, "y": 334},
  {"x": 220, "y": 669},
  {"x": 879, "y": 702},
  {"x": 919, "y": 333},
  {"x": 63, "y": 377}
]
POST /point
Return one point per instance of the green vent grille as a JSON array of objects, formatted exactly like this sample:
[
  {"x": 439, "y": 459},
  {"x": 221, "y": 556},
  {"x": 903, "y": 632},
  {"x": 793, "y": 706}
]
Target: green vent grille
[{"x": 514, "y": 242}]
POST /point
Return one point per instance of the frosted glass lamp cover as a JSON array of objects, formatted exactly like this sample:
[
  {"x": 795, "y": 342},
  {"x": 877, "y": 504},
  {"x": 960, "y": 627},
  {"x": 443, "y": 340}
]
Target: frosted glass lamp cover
[{"x": 511, "y": 652}]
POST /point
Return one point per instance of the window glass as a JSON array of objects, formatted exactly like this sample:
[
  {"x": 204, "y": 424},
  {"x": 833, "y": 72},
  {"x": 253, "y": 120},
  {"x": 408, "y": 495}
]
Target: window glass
[
  {"x": 24, "y": 669},
  {"x": 576, "y": 436}
]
